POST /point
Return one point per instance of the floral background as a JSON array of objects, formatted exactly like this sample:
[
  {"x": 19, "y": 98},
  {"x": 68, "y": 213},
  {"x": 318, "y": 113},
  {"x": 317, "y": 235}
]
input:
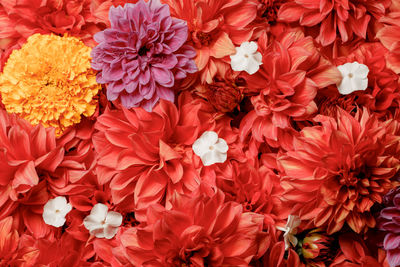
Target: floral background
[{"x": 259, "y": 133}]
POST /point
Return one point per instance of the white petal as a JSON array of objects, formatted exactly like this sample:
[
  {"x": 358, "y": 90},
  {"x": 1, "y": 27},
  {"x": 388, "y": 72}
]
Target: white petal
[
  {"x": 292, "y": 240},
  {"x": 209, "y": 137},
  {"x": 66, "y": 209},
  {"x": 200, "y": 147},
  {"x": 99, "y": 212},
  {"x": 60, "y": 202},
  {"x": 99, "y": 233},
  {"x": 293, "y": 222},
  {"x": 213, "y": 157},
  {"x": 221, "y": 145},
  {"x": 252, "y": 66},
  {"x": 238, "y": 63},
  {"x": 344, "y": 69},
  {"x": 361, "y": 71},
  {"x": 345, "y": 86},
  {"x": 91, "y": 223},
  {"x": 358, "y": 84},
  {"x": 258, "y": 57},
  {"x": 114, "y": 219},
  {"x": 251, "y": 47},
  {"x": 110, "y": 232},
  {"x": 352, "y": 67},
  {"x": 53, "y": 219}
]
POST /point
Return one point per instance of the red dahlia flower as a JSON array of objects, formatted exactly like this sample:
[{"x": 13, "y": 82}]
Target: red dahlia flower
[
  {"x": 348, "y": 17},
  {"x": 389, "y": 35},
  {"x": 277, "y": 257},
  {"x": 35, "y": 165},
  {"x": 215, "y": 27},
  {"x": 14, "y": 249},
  {"x": 146, "y": 156},
  {"x": 288, "y": 80},
  {"x": 382, "y": 94},
  {"x": 197, "y": 231},
  {"x": 354, "y": 252},
  {"x": 337, "y": 171},
  {"x": 257, "y": 189}
]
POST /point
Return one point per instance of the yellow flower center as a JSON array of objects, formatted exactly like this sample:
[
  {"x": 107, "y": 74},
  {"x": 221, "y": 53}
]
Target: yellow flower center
[{"x": 50, "y": 81}]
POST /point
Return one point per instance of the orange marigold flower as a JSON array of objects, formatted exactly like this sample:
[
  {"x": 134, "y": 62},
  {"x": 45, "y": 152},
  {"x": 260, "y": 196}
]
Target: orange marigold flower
[{"x": 49, "y": 81}]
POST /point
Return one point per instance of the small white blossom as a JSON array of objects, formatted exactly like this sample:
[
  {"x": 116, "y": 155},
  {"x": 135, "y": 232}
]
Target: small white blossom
[
  {"x": 55, "y": 210},
  {"x": 101, "y": 223},
  {"x": 210, "y": 148},
  {"x": 290, "y": 230},
  {"x": 354, "y": 78},
  {"x": 246, "y": 58}
]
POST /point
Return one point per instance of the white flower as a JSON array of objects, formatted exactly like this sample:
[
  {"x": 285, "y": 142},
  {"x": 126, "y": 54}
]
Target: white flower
[
  {"x": 290, "y": 230},
  {"x": 210, "y": 148},
  {"x": 101, "y": 223},
  {"x": 354, "y": 78},
  {"x": 246, "y": 58},
  {"x": 55, "y": 210}
]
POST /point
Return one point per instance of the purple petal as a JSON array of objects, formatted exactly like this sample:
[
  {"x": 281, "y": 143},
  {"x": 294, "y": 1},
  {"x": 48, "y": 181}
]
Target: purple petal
[{"x": 163, "y": 77}]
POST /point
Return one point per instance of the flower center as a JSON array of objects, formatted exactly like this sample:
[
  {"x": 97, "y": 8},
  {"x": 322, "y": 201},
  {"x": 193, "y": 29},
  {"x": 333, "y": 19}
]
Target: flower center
[
  {"x": 204, "y": 38},
  {"x": 271, "y": 8},
  {"x": 57, "y": 211},
  {"x": 350, "y": 75},
  {"x": 143, "y": 51},
  {"x": 211, "y": 147}
]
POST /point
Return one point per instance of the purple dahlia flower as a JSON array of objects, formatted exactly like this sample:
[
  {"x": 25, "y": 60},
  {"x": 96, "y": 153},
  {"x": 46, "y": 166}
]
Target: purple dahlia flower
[
  {"x": 390, "y": 223},
  {"x": 142, "y": 54}
]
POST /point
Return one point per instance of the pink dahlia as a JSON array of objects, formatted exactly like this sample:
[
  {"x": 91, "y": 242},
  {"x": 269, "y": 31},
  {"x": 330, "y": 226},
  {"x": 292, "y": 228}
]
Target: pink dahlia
[
  {"x": 390, "y": 224},
  {"x": 142, "y": 54}
]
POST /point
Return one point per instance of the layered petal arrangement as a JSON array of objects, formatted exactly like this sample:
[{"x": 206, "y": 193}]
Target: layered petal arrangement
[
  {"x": 198, "y": 231},
  {"x": 334, "y": 19},
  {"x": 49, "y": 81},
  {"x": 202, "y": 133},
  {"x": 286, "y": 86},
  {"x": 142, "y": 54},
  {"x": 339, "y": 170},
  {"x": 214, "y": 29}
]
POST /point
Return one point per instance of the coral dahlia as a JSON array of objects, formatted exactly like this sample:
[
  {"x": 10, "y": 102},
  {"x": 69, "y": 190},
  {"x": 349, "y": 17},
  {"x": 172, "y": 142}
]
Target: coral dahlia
[
  {"x": 34, "y": 167},
  {"x": 347, "y": 17},
  {"x": 49, "y": 81},
  {"x": 215, "y": 28},
  {"x": 390, "y": 38},
  {"x": 337, "y": 171},
  {"x": 142, "y": 54},
  {"x": 382, "y": 94},
  {"x": 288, "y": 80},
  {"x": 197, "y": 231}
]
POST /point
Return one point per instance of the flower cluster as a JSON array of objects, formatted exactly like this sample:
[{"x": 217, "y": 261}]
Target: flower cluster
[{"x": 261, "y": 133}]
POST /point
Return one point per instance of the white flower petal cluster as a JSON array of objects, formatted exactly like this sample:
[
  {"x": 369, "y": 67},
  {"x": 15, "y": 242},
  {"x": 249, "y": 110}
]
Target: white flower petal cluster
[
  {"x": 55, "y": 210},
  {"x": 246, "y": 58},
  {"x": 354, "y": 78},
  {"x": 290, "y": 230},
  {"x": 102, "y": 223},
  {"x": 210, "y": 148}
]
